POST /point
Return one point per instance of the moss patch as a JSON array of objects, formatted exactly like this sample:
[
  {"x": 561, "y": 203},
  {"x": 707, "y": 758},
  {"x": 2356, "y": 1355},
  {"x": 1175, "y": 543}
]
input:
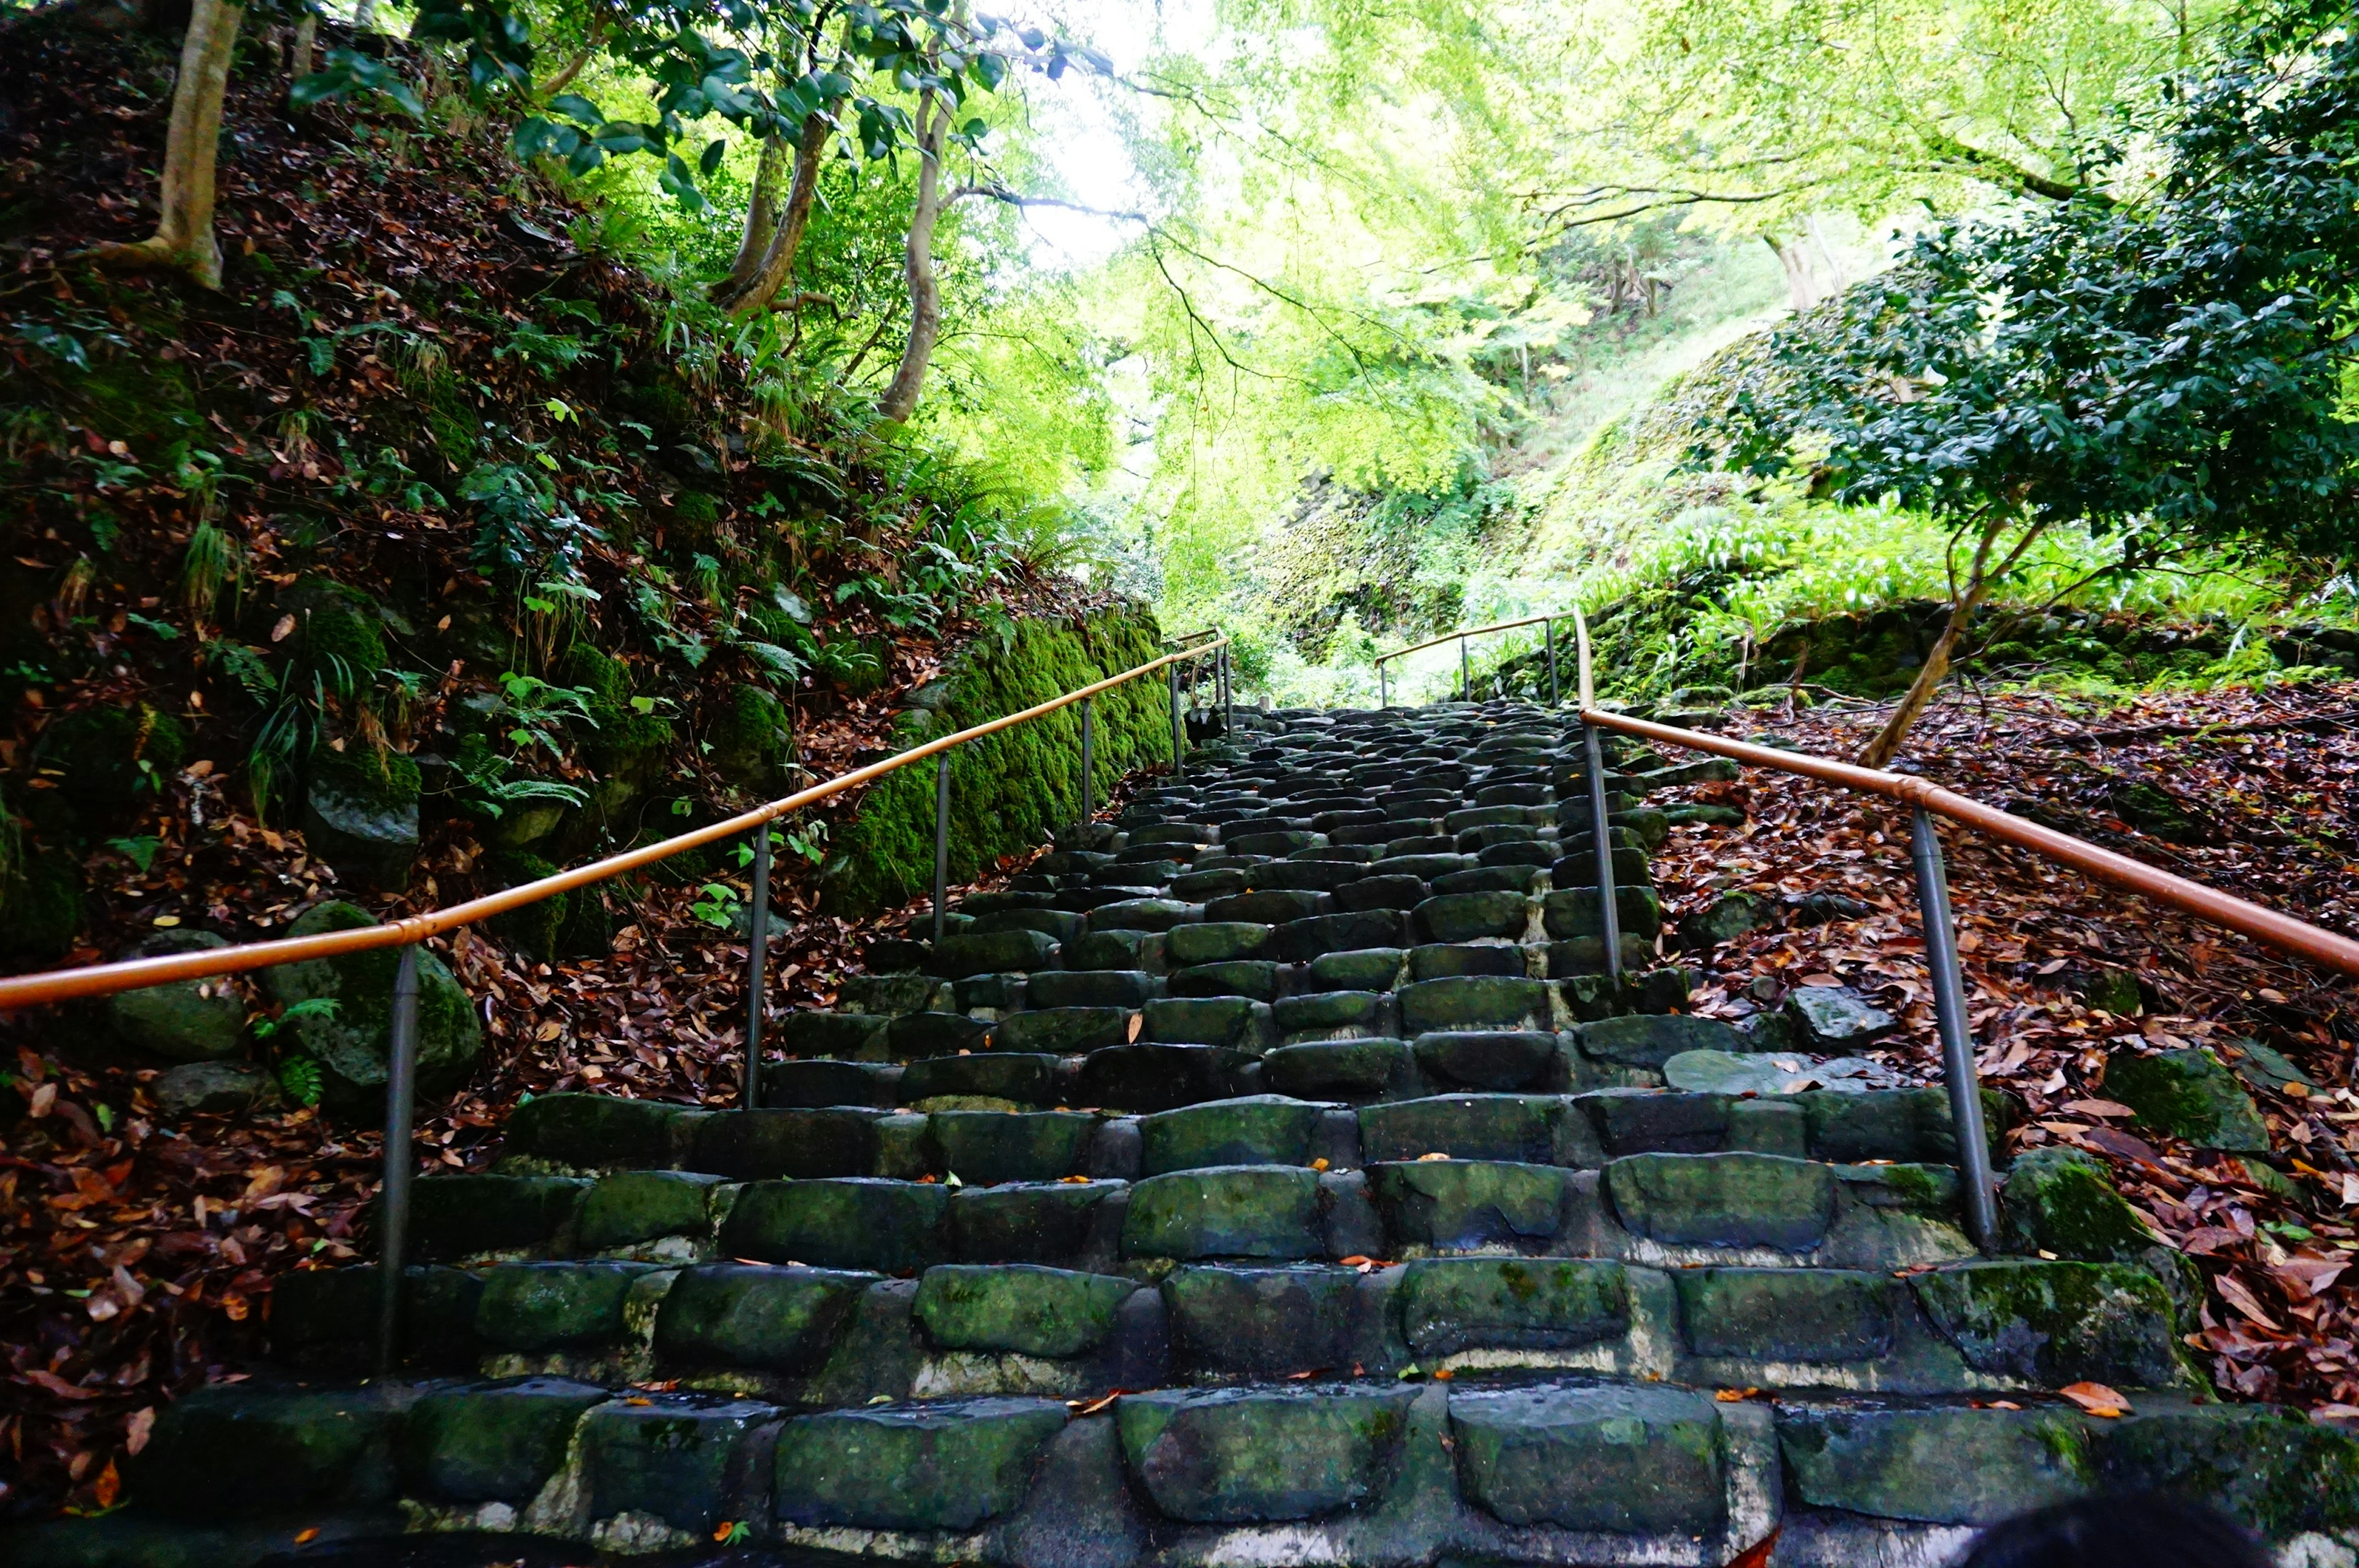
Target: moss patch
[{"x": 1011, "y": 790}]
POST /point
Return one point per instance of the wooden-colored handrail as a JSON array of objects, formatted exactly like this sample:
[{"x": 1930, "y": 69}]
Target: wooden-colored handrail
[
  {"x": 1469, "y": 631},
  {"x": 2263, "y": 925},
  {"x": 134, "y": 974}
]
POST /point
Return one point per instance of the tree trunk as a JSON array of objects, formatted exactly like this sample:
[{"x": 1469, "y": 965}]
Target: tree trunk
[
  {"x": 1980, "y": 578},
  {"x": 365, "y": 16},
  {"x": 761, "y": 223},
  {"x": 307, "y": 41},
  {"x": 779, "y": 261},
  {"x": 184, "y": 228},
  {"x": 900, "y": 398}
]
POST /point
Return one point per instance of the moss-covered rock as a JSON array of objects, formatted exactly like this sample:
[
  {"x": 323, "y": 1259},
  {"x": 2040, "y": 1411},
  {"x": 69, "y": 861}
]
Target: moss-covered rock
[
  {"x": 112, "y": 761},
  {"x": 352, "y": 1043},
  {"x": 1009, "y": 791},
  {"x": 750, "y": 741},
  {"x": 2188, "y": 1094},
  {"x": 338, "y": 628},
  {"x": 40, "y": 904},
  {"x": 2058, "y": 1201},
  {"x": 187, "y": 1021},
  {"x": 360, "y": 814}
]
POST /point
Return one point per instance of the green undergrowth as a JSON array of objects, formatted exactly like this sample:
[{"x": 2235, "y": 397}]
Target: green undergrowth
[{"x": 1009, "y": 790}]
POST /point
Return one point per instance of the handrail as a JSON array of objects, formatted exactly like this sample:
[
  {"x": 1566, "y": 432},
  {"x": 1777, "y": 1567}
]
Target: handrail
[
  {"x": 1469, "y": 631},
  {"x": 2263, "y": 925},
  {"x": 134, "y": 974},
  {"x": 1465, "y": 668}
]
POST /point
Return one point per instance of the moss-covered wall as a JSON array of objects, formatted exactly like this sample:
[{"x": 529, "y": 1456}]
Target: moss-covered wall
[{"x": 1011, "y": 790}]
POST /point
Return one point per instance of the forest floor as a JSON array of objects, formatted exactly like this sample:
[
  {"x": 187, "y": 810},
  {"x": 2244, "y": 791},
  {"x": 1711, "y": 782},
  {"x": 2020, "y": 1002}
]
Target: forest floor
[{"x": 2254, "y": 792}]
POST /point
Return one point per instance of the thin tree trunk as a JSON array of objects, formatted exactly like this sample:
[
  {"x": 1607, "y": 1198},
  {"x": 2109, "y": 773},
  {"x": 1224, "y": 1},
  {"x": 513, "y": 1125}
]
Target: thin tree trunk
[
  {"x": 184, "y": 228},
  {"x": 365, "y": 16},
  {"x": 307, "y": 41},
  {"x": 900, "y": 398},
  {"x": 573, "y": 68},
  {"x": 761, "y": 222},
  {"x": 1980, "y": 580},
  {"x": 787, "y": 240}
]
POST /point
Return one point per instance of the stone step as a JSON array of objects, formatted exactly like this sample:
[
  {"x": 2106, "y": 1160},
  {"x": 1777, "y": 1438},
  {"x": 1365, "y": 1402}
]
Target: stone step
[
  {"x": 1666, "y": 1209},
  {"x": 1564, "y": 1468}
]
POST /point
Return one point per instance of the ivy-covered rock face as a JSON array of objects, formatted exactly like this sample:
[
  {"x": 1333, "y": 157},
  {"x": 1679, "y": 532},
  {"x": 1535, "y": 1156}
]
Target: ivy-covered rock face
[
  {"x": 1011, "y": 790},
  {"x": 352, "y": 1041}
]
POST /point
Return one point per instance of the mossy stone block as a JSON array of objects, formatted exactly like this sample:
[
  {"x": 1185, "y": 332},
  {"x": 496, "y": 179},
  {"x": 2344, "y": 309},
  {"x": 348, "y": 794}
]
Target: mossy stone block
[
  {"x": 741, "y": 1314},
  {"x": 1723, "y": 1200},
  {"x": 595, "y": 1129},
  {"x": 1257, "y": 978},
  {"x": 1507, "y": 1127},
  {"x": 1449, "y": 1304},
  {"x": 1302, "y": 941},
  {"x": 1261, "y": 1455},
  {"x": 555, "y": 1306},
  {"x": 1020, "y": 1309},
  {"x": 185, "y": 1020},
  {"x": 1260, "y": 1322},
  {"x": 100, "y": 750},
  {"x": 230, "y": 1450},
  {"x": 1621, "y": 1461},
  {"x": 1270, "y": 906},
  {"x": 1028, "y": 1222},
  {"x": 1063, "y": 1031},
  {"x": 1063, "y": 925},
  {"x": 1643, "y": 1039},
  {"x": 914, "y": 1036},
  {"x": 2056, "y": 1322},
  {"x": 631, "y": 1206},
  {"x": 1238, "y": 1022},
  {"x": 1392, "y": 892},
  {"x": 1360, "y": 1013},
  {"x": 495, "y": 1444},
  {"x": 469, "y": 1215},
  {"x": 950, "y": 1465},
  {"x": 2061, "y": 1201},
  {"x": 1451, "y": 1206},
  {"x": 822, "y": 1084},
  {"x": 1641, "y": 1121},
  {"x": 1474, "y": 1001},
  {"x": 1256, "y": 1129},
  {"x": 1144, "y": 914},
  {"x": 1091, "y": 988},
  {"x": 1937, "y": 1465},
  {"x": 1442, "y": 961},
  {"x": 360, "y": 814},
  {"x": 2188, "y": 1094},
  {"x": 852, "y": 1036},
  {"x": 855, "y": 1223},
  {"x": 1497, "y": 1060},
  {"x": 768, "y": 1145},
  {"x": 681, "y": 1458},
  {"x": 353, "y": 1044},
  {"x": 1233, "y": 1211},
  {"x": 889, "y": 996},
  {"x": 1573, "y": 913},
  {"x": 2276, "y": 1471},
  {"x": 1215, "y": 941},
  {"x": 1361, "y": 969},
  {"x": 1464, "y": 916},
  {"x": 1349, "y": 1070},
  {"x": 1786, "y": 1314},
  {"x": 1151, "y": 1076},
  {"x": 985, "y": 1147},
  {"x": 993, "y": 952},
  {"x": 1018, "y": 1077}
]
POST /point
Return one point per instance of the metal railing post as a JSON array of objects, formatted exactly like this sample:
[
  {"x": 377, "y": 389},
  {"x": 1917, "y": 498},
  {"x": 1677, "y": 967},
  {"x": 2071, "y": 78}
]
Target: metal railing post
[
  {"x": 1383, "y": 688},
  {"x": 1547, "y": 630},
  {"x": 1957, "y": 1042},
  {"x": 1178, "y": 739},
  {"x": 1466, "y": 674},
  {"x": 758, "y": 951},
  {"x": 1089, "y": 741},
  {"x": 1609, "y": 913},
  {"x": 393, "y": 1197},
  {"x": 1228, "y": 695},
  {"x": 941, "y": 836}
]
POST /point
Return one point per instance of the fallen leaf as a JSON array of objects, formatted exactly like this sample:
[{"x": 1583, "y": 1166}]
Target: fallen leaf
[
  {"x": 2098, "y": 1107},
  {"x": 2233, "y": 1292},
  {"x": 136, "y": 1431},
  {"x": 2096, "y": 1399},
  {"x": 108, "y": 1487},
  {"x": 285, "y": 629}
]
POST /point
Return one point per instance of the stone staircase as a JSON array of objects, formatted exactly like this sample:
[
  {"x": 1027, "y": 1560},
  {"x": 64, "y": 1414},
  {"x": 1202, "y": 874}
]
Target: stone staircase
[{"x": 1270, "y": 1176}]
